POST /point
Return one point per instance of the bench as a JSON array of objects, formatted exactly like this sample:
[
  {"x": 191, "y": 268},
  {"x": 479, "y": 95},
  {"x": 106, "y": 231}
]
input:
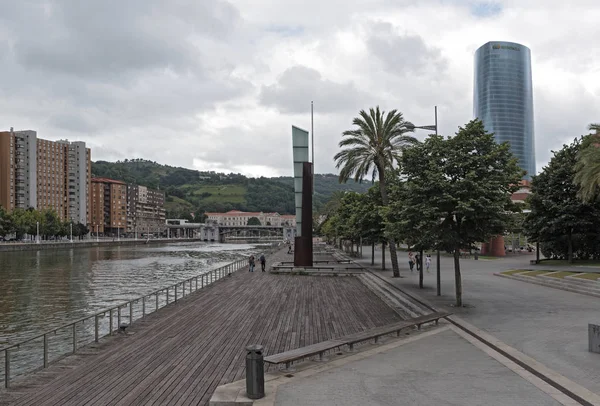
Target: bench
[
  {"x": 288, "y": 357},
  {"x": 377, "y": 332},
  {"x": 300, "y": 353}
]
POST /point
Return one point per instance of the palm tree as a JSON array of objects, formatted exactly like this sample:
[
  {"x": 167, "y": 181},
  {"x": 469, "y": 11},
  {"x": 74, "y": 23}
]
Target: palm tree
[
  {"x": 587, "y": 169},
  {"x": 373, "y": 147}
]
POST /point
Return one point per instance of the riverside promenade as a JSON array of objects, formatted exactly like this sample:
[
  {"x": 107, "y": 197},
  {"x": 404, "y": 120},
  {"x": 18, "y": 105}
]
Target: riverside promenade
[{"x": 180, "y": 354}]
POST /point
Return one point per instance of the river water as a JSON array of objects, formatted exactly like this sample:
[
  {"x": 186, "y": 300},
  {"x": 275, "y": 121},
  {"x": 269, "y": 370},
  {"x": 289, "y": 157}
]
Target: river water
[{"x": 42, "y": 290}]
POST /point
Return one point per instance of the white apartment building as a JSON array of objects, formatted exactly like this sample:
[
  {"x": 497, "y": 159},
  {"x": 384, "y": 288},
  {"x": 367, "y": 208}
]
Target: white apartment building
[{"x": 240, "y": 218}]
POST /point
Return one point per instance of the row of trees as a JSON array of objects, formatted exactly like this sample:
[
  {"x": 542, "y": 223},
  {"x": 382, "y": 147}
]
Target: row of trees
[
  {"x": 445, "y": 193},
  {"x": 21, "y": 222},
  {"x": 565, "y": 201}
]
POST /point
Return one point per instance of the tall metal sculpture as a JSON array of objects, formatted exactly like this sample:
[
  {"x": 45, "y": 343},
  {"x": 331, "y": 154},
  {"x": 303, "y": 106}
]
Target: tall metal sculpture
[{"x": 303, "y": 181}]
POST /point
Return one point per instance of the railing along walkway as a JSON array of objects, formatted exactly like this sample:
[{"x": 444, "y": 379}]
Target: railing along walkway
[
  {"x": 189, "y": 349},
  {"x": 96, "y": 326}
]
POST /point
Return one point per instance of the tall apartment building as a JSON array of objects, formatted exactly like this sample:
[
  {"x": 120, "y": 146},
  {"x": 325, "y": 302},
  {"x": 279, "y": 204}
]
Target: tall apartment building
[
  {"x": 45, "y": 174},
  {"x": 108, "y": 207},
  {"x": 145, "y": 210}
]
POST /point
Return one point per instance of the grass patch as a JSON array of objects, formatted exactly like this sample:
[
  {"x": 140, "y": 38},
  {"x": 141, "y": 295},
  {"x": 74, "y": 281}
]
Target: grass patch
[
  {"x": 536, "y": 273},
  {"x": 221, "y": 193},
  {"x": 513, "y": 271},
  {"x": 177, "y": 205},
  {"x": 487, "y": 257},
  {"x": 561, "y": 274},
  {"x": 591, "y": 276}
]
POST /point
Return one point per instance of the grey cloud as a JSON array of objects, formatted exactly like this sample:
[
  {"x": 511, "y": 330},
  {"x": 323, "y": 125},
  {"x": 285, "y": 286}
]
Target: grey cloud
[
  {"x": 406, "y": 54},
  {"x": 108, "y": 38},
  {"x": 298, "y": 85}
]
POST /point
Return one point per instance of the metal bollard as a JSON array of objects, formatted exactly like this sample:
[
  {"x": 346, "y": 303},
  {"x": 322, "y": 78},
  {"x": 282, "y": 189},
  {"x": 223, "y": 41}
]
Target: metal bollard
[{"x": 255, "y": 372}]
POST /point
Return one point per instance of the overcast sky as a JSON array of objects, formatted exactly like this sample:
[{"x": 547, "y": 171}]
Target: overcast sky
[{"x": 217, "y": 85}]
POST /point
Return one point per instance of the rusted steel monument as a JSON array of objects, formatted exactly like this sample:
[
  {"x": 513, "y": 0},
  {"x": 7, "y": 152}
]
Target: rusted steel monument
[{"x": 303, "y": 188}]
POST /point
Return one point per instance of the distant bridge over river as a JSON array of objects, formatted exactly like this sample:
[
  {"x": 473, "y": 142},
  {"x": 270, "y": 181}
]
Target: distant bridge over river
[{"x": 223, "y": 233}]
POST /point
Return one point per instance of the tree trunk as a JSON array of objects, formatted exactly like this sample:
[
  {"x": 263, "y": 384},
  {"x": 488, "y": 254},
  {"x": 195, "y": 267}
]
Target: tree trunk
[
  {"x": 439, "y": 281},
  {"x": 537, "y": 252},
  {"x": 421, "y": 269},
  {"x": 373, "y": 253},
  {"x": 391, "y": 241},
  {"x": 383, "y": 255},
  {"x": 457, "y": 277},
  {"x": 570, "y": 241}
]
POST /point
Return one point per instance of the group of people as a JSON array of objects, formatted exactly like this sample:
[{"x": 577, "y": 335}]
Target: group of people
[
  {"x": 252, "y": 262},
  {"x": 416, "y": 259}
]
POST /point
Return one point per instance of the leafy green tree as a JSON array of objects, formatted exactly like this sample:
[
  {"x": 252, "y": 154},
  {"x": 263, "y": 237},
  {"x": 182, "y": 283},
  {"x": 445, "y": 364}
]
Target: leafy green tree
[
  {"x": 457, "y": 191},
  {"x": 6, "y": 223},
  {"x": 558, "y": 216},
  {"x": 587, "y": 168},
  {"x": 372, "y": 148},
  {"x": 254, "y": 221}
]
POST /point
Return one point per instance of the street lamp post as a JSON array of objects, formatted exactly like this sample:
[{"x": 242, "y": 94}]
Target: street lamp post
[{"x": 434, "y": 128}]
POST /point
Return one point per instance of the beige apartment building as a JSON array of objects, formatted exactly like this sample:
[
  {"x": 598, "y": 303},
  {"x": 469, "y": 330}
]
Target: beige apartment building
[
  {"x": 45, "y": 174},
  {"x": 145, "y": 210},
  {"x": 240, "y": 218},
  {"x": 109, "y": 207}
]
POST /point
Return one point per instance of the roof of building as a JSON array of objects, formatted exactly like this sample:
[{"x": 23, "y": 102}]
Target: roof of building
[{"x": 107, "y": 180}]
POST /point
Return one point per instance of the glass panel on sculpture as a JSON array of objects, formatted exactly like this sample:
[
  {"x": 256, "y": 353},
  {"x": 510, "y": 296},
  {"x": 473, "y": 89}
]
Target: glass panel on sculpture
[
  {"x": 298, "y": 169},
  {"x": 298, "y": 198},
  {"x": 299, "y": 137},
  {"x": 298, "y": 185},
  {"x": 300, "y": 154}
]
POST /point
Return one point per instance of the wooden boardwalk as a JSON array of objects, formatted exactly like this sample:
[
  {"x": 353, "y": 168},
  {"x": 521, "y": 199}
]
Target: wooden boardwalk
[{"x": 179, "y": 355}]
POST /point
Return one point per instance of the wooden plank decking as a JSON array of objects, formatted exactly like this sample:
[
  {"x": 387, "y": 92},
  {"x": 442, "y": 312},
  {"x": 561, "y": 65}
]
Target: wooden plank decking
[{"x": 179, "y": 355}]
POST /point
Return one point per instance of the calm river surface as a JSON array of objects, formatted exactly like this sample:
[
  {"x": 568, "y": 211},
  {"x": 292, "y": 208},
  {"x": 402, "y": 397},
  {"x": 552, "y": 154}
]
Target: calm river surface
[{"x": 45, "y": 289}]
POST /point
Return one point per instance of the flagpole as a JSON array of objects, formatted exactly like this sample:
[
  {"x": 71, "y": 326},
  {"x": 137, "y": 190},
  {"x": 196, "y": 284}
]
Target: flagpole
[{"x": 312, "y": 136}]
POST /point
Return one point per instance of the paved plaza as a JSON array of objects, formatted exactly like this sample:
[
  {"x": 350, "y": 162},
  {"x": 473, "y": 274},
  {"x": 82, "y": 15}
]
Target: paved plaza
[
  {"x": 549, "y": 325},
  {"x": 440, "y": 369}
]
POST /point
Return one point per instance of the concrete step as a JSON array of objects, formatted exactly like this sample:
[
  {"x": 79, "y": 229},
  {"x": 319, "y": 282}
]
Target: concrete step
[
  {"x": 583, "y": 281},
  {"x": 551, "y": 284},
  {"x": 569, "y": 283},
  {"x": 403, "y": 304}
]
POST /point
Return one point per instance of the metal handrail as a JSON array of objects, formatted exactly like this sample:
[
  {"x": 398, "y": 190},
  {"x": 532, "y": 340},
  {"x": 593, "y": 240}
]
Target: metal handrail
[{"x": 217, "y": 274}]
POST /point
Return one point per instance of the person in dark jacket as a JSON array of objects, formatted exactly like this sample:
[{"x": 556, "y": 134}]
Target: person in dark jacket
[{"x": 263, "y": 262}]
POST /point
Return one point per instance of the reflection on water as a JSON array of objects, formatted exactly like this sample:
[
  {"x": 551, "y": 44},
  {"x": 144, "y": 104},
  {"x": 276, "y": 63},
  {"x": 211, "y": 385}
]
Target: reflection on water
[{"x": 45, "y": 289}]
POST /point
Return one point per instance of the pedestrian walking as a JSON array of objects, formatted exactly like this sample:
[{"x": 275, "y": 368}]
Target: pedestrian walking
[
  {"x": 411, "y": 260},
  {"x": 263, "y": 262},
  {"x": 428, "y": 261},
  {"x": 251, "y": 263},
  {"x": 418, "y": 261}
]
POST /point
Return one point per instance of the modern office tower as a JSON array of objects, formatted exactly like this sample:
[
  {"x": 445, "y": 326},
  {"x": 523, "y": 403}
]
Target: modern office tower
[
  {"x": 145, "y": 210},
  {"x": 109, "y": 207},
  {"x": 503, "y": 98}
]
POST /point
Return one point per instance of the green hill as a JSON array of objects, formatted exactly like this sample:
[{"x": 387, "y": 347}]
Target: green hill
[{"x": 191, "y": 191}]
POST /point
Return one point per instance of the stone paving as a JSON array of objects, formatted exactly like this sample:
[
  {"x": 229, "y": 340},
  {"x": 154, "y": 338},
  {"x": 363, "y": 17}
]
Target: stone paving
[
  {"x": 547, "y": 324},
  {"x": 442, "y": 369}
]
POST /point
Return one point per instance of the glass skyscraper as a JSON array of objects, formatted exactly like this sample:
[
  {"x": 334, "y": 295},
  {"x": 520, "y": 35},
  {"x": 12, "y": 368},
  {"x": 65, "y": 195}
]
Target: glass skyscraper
[{"x": 503, "y": 98}]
